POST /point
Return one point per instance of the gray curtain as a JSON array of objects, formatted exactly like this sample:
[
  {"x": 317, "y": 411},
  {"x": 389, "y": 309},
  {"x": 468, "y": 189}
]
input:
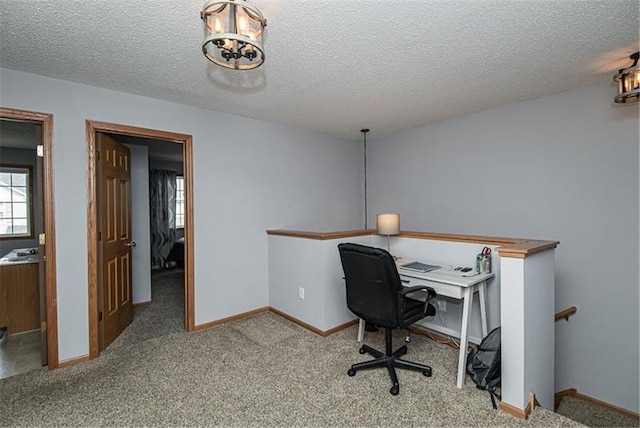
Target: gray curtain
[{"x": 162, "y": 195}]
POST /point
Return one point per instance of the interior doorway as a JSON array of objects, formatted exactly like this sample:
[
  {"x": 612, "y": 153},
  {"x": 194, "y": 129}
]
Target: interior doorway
[
  {"x": 116, "y": 245},
  {"x": 96, "y": 131},
  {"x": 28, "y": 283}
]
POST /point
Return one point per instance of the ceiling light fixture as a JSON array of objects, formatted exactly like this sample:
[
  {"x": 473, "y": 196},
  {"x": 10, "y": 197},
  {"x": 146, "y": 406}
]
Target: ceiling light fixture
[
  {"x": 233, "y": 32},
  {"x": 628, "y": 80}
]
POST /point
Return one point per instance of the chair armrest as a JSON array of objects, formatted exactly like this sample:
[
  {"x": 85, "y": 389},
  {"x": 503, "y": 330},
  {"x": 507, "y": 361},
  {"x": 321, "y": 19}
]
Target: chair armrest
[
  {"x": 402, "y": 294},
  {"x": 431, "y": 293}
]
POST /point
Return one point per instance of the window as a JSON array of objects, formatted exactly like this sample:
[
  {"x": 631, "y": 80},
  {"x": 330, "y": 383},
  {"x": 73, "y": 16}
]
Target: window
[
  {"x": 179, "y": 202},
  {"x": 15, "y": 202}
]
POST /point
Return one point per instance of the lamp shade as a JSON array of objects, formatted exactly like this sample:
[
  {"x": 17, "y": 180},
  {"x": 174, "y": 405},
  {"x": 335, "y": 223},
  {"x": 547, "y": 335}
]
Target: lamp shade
[{"x": 388, "y": 224}]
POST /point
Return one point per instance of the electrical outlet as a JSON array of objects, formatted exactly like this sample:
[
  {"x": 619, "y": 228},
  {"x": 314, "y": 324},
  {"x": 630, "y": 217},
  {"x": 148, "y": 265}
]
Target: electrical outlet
[
  {"x": 300, "y": 293},
  {"x": 442, "y": 305}
]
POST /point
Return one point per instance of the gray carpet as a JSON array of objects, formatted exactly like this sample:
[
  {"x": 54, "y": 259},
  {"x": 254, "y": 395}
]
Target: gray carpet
[
  {"x": 259, "y": 371},
  {"x": 164, "y": 316},
  {"x": 594, "y": 416}
]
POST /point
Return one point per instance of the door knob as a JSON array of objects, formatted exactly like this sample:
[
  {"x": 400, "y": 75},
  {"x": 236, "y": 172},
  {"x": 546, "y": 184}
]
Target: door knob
[{"x": 131, "y": 244}]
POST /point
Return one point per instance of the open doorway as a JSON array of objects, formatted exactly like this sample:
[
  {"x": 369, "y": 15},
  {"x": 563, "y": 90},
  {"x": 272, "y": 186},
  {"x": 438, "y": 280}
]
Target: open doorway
[
  {"x": 28, "y": 323},
  {"x": 128, "y": 147},
  {"x": 157, "y": 228}
]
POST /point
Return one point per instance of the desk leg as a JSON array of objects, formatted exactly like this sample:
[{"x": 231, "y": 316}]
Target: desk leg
[
  {"x": 464, "y": 335},
  {"x": 482, "y": 294},
  {"x": 361, "y": 330}
]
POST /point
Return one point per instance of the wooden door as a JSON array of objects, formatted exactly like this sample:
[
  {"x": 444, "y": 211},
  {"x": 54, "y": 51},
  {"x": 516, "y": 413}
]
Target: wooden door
[{"x": 114, "y": 199}]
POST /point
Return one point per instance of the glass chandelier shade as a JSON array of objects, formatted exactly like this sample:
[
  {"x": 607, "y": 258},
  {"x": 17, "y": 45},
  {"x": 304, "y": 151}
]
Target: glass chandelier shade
[
  {"x": 233, "y": 34},
  {"x": 628, "y": 80}
]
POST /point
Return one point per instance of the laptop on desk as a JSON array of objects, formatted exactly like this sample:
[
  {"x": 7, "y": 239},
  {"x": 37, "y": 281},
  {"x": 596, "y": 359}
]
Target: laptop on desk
[{"x": 419, "y": 267}]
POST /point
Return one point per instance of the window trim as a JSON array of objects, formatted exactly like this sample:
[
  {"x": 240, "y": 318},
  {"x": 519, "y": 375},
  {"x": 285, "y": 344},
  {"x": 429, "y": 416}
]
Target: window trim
[
  {"x": 31, "y": 234},
  {"x": 176, "y": 227}
]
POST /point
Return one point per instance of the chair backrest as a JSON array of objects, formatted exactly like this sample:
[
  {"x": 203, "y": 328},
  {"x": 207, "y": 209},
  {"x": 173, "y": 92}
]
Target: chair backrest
[{"x": 372, "y": 283}]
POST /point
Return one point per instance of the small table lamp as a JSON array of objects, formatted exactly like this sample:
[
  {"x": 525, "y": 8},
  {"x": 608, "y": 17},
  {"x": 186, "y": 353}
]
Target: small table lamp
[{"x": 388, "y": 224}]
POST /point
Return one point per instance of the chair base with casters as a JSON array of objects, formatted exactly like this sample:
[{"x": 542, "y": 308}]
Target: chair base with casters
[{"x": 389, "y": 359}]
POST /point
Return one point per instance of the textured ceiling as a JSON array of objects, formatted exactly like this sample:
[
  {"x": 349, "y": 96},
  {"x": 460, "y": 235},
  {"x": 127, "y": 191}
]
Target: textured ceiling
[
  {"x": 160, "y": 150},
  {"x": 332, "y": 66},
  {"x": 19, "y": 135}
]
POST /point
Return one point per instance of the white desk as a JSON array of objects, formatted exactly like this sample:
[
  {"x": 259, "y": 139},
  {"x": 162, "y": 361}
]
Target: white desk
[{"x": 452, "y": 284}]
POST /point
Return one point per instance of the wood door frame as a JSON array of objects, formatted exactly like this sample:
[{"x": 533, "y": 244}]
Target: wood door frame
[
  {"x": 92, "y": 128},
  {"x": 46, "y": 121}
]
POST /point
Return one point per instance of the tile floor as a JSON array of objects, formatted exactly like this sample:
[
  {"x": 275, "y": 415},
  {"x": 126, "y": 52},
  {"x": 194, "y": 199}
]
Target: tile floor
[{"x": 19, "y": 353}]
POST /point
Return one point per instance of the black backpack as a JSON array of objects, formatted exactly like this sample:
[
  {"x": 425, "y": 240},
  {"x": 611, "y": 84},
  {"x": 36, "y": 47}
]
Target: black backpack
[{"x": 483, "y": 364}]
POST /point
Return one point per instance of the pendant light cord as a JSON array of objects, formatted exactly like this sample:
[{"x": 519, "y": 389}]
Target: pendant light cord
[{"x": 364, "y": 134}]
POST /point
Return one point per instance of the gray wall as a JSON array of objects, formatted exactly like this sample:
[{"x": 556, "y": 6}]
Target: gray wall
[
  {"x": 249, "y": 176},
  {"x": 140, "y": 229},
  {"x": 561, "y": 167},
  {"x": 23, "y": 157}
]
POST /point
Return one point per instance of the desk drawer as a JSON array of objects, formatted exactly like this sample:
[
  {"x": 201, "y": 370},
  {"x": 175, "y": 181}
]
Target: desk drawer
[{"x": 441, "y": 289}]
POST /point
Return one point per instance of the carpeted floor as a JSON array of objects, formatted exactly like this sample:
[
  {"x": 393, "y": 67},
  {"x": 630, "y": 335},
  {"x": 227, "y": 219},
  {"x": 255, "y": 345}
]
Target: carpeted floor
[
  {"x": 258, "y": 371},
  {"x": 164, "y": 316},
  {"x": 594, "y": 416}
]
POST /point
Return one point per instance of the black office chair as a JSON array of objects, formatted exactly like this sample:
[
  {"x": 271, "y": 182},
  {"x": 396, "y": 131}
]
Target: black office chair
[{"x": 375, "y": 294}]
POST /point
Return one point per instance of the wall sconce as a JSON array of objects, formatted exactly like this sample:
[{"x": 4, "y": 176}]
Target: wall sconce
[
  {"x": 388, "y": 224},
  {"x": 628, "y": 80},
  {"x": 233, "y": 32}
]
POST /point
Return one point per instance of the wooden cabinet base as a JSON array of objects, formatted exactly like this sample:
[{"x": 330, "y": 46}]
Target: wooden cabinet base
[{"x": 19, "y": 297}]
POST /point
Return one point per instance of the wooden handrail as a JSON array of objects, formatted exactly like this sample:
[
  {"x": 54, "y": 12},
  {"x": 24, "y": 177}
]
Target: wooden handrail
[{"x": 566, "y": 313}]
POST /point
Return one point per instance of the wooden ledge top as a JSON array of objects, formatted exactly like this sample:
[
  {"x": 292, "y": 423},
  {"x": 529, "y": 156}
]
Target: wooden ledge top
[
  {"x": 322, "y": 236},
  {"x": 526, "y": 247},
  {"x": 508, "y": 247}
]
